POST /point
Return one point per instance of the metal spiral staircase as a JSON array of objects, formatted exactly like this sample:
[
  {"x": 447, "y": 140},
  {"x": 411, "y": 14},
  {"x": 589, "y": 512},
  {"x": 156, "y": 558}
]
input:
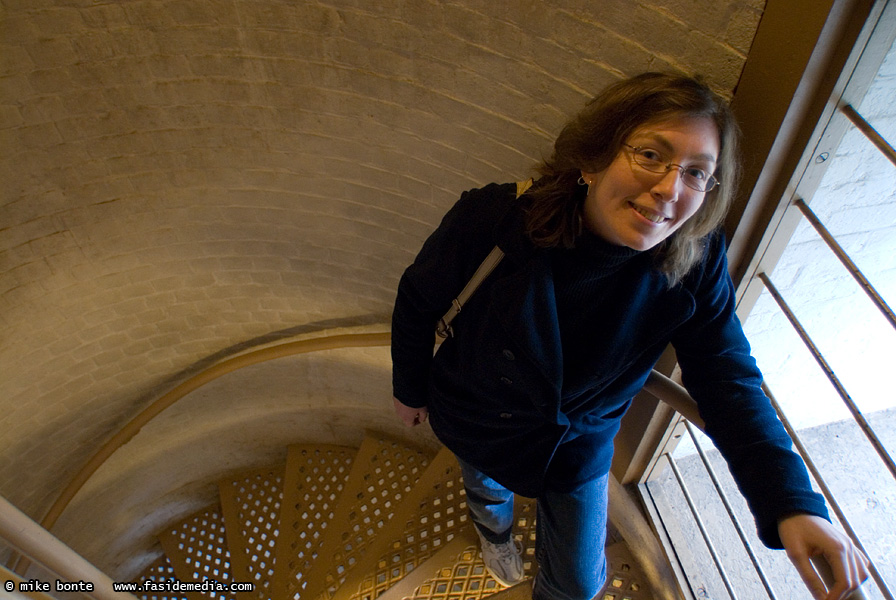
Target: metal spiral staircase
[{"x": 384, "y": 521}]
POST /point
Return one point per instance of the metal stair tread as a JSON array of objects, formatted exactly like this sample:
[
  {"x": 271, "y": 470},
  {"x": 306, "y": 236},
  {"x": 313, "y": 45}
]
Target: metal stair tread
[
  {"x": 315, "y": 478},
  {"x": 430, "y": 516},
  {"x": 383, "y": 472},
  {"x": 250, "y": 504}
]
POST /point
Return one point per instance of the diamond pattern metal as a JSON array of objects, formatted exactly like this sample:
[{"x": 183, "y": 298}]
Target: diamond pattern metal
[
  {"x": 159, "y": 572},
  {"x": 438, "y": 517},
  {"x": 313, "y": 483},
  {"x": 383, "y": 472},
  {"x": 251, "y": 506},
  {"x": 625, "y": 579},
  {"x": 197, "y": 547}
]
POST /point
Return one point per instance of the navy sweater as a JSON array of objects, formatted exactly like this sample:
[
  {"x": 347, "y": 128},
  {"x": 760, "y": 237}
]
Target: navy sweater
[{"x": 533, "y": 384}]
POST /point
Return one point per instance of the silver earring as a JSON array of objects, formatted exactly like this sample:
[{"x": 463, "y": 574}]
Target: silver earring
[{"x": 582, "y": 181}]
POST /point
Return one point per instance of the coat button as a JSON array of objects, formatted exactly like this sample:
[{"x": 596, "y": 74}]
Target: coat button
[
  {"x": 506, "y": 381},
  {"x": 506, "y": 415},
  {"x": 509, "y": 355}
]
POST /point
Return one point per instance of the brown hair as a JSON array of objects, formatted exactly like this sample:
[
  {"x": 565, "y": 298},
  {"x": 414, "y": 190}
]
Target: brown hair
[{"x": 592, "y": 139}]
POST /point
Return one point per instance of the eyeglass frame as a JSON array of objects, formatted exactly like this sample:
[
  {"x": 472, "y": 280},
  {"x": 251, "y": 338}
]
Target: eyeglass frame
[{"x": 712, "y": 180}]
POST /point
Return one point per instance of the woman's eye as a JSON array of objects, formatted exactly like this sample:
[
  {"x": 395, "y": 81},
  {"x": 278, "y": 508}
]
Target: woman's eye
[
  {"x": 696, "y": 173},
  {"x": 651, "y": 155}
]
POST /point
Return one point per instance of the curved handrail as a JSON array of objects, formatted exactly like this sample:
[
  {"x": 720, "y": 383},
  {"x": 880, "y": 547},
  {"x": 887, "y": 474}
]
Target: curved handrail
[
  {"x": 133, "y": 427},
  {"x": 673, "y": 394},
  {"x": 657, "y": 384}
]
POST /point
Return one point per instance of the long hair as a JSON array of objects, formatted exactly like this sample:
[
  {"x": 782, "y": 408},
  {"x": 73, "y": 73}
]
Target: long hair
[{"x": 592, "y": 139}]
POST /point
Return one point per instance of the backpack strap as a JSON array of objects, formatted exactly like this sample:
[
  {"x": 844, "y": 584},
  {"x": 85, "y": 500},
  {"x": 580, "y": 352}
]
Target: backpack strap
[{"x": 443, "y": 327}]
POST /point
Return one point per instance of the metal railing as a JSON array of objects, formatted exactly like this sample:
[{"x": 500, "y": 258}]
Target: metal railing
[
  {"x": 870, "y": 132},
  {"x": 44, "y": 548},
  {"x": 830, "y": 374}
]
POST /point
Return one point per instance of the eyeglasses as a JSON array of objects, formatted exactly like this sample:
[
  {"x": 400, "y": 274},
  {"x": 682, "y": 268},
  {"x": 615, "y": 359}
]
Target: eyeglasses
[{"x": 654, "y": 161}]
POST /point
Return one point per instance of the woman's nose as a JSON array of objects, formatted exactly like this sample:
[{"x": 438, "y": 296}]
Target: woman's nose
[{"x": 668, "y": 186}]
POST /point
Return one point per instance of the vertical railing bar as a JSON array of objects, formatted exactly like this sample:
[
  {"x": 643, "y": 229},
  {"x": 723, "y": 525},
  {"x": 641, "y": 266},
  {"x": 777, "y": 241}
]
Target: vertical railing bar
[
  {"x": 826, "y": 491},
  {"x": 841, "y": 254},
  {"x": 647, "y": 493},
  {"x": 702, "y": 527},
  {"x": 734, "y": 520},
  {"x": 870, "y": 132},
  {"x": 832, "y": 377}
]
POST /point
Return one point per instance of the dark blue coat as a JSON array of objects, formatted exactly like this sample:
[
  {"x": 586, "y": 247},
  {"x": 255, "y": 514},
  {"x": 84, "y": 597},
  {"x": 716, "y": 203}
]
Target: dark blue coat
[{"x": 494, "y": 391}]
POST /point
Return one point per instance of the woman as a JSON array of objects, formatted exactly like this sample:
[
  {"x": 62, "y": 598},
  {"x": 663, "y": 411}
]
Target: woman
[{"x": 611, "y": 255}]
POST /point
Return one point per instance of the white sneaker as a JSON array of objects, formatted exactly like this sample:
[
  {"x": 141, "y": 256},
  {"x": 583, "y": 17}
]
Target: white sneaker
[{"x": 502, "y": 561}]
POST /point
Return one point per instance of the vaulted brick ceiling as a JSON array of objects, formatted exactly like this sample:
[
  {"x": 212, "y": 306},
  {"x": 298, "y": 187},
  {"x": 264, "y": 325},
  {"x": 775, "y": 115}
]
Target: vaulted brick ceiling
[{"x": 186, "y": 180}]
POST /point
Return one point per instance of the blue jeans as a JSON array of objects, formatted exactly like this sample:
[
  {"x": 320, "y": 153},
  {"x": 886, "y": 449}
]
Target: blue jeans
[{"x": 571, "y": 531}]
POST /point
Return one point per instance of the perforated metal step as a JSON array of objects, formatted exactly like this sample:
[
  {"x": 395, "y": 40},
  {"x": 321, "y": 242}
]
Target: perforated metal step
[
  {"x": 384, "y": 471},
  {"x": 314, "y": 480},
  {"x": 625, "y": 578},
  {"x": 197, "y": 549},
  {"x": 251, "y": 508}
]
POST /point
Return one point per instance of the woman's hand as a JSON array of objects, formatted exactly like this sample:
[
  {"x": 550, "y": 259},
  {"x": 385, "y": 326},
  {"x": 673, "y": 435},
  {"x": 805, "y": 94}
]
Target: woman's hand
[
  {"x": 409, "y": 415},
  {"x": 807, "y": 536}
]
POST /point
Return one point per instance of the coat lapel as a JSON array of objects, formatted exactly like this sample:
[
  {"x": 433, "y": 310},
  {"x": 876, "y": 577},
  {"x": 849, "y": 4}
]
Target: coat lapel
[
  {"x": 527, "y": 308},
  {"x": 528, "y": 313}
]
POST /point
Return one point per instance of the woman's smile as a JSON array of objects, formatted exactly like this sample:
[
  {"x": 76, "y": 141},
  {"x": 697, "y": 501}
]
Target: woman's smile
[{"x": 649, "y": 214}]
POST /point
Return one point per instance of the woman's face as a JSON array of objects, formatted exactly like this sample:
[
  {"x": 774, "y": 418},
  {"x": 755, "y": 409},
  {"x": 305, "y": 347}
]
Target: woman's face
[{"x": 630, "y": 206}]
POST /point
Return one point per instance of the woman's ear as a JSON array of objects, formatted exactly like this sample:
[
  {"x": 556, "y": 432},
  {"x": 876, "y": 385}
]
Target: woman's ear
[{"x": 591, "y": 177}]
